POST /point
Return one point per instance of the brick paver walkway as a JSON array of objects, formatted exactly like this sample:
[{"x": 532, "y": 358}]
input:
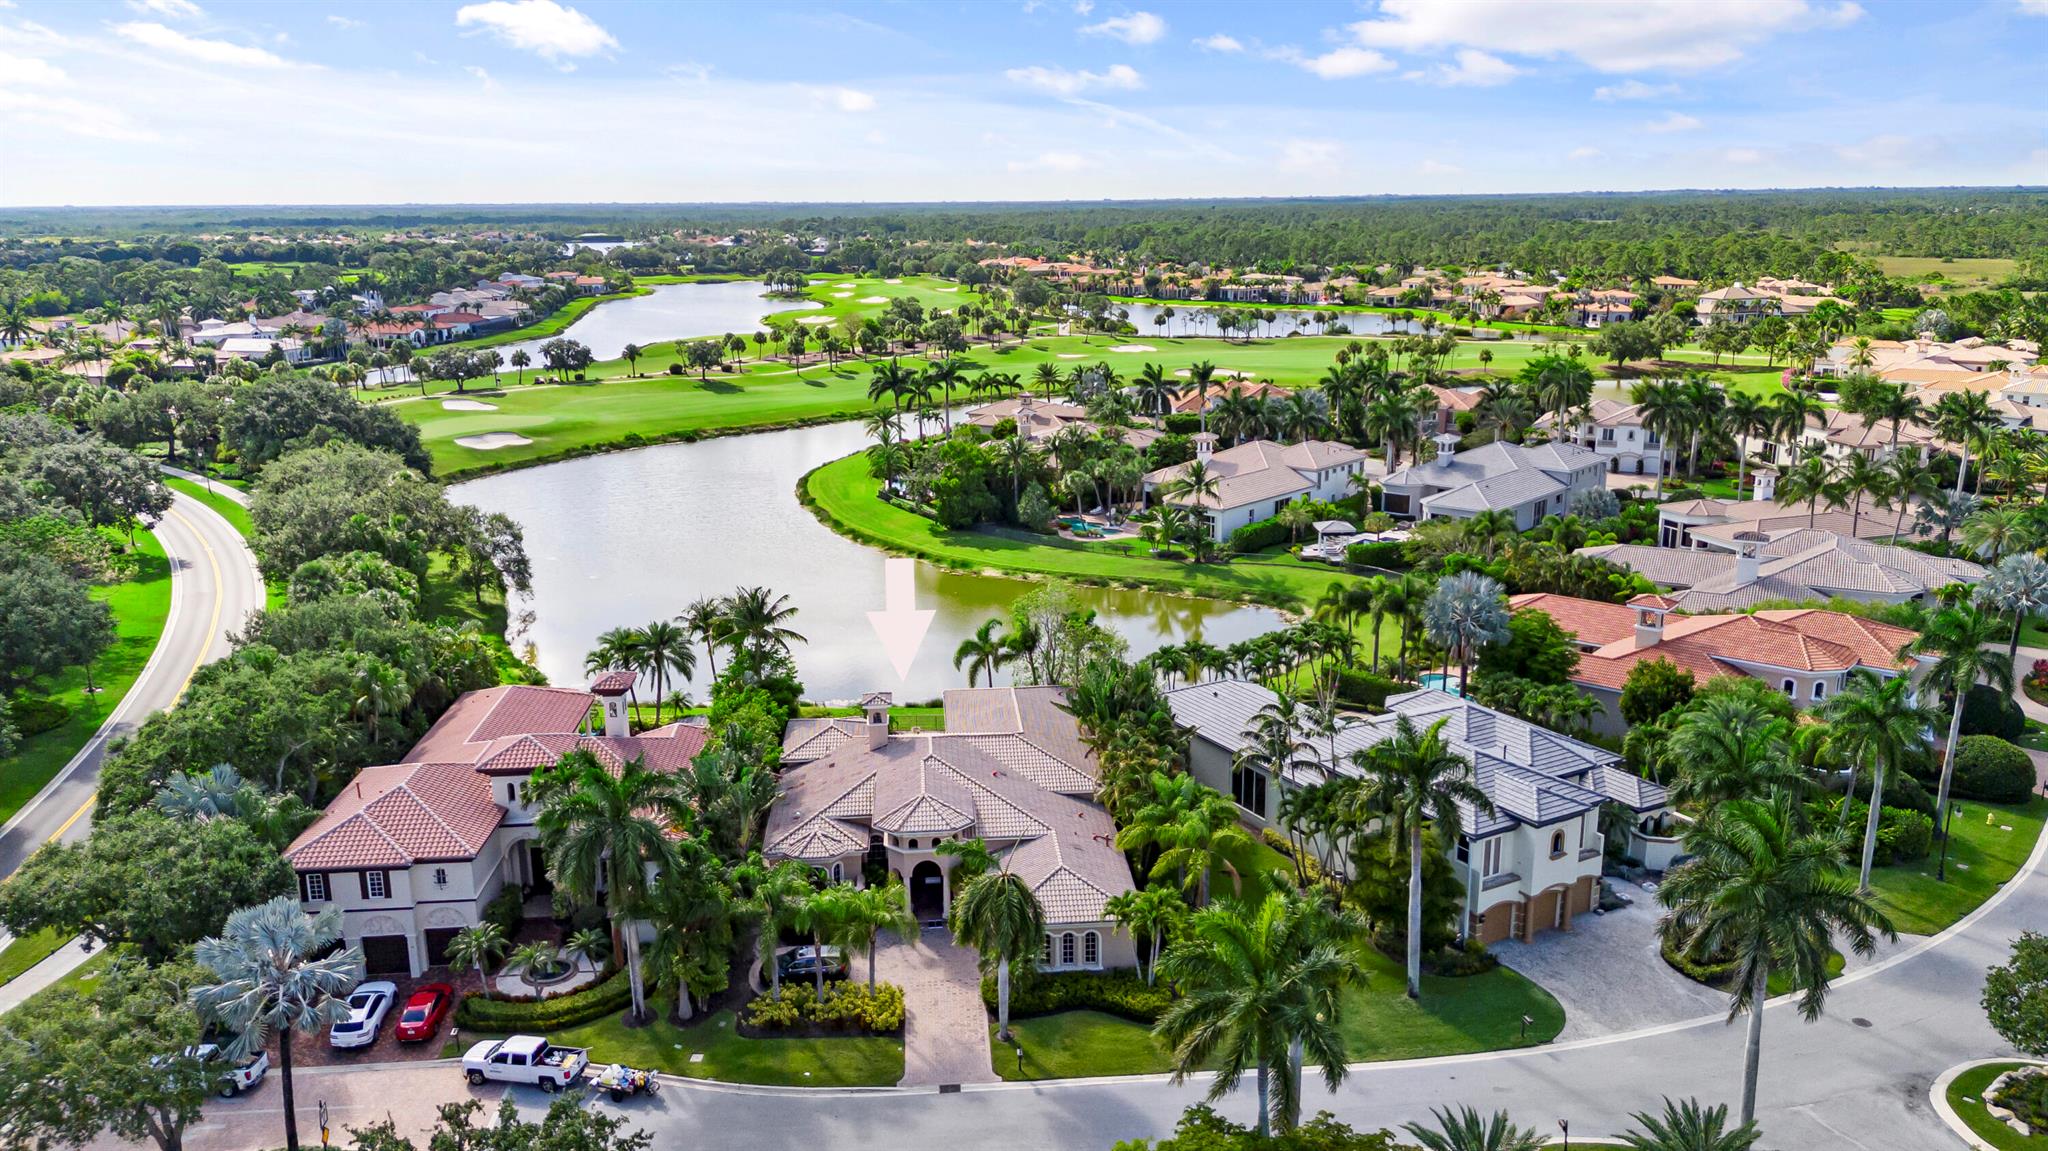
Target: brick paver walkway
[{"x": 945, "y": 1033}]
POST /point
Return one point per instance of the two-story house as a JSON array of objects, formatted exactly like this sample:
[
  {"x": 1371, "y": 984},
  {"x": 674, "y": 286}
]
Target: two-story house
[
  {"x": 1529, "y": 866},
  {"x": 411, "y": 852},
  {"x": 1616, "y": 433}
]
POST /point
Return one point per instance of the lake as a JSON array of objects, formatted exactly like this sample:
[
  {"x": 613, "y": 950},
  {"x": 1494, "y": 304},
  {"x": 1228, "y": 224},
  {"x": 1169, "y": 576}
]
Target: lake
[
  {"x": 1200, "y": 320},
  {"x": 668, "y": 312},
  {"x": 631, "y": 537}
]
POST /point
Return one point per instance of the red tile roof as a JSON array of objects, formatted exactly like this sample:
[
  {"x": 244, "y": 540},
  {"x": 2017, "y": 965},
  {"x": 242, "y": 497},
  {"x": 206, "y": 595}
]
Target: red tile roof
[
  {"x": 399, "y": 815},
  {"x": 482, "y": 716},
  {"x": 613, "y": 683}
]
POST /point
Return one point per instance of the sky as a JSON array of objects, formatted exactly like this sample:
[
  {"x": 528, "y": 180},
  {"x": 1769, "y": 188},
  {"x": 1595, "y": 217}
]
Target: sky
[{"x": 378, "y": 101}]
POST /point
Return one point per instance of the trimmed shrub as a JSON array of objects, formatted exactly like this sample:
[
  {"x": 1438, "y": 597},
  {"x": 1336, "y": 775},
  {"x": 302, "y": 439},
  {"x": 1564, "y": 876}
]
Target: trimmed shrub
[
  {"x": 1258, "y": 536},
  {"x": 1183, "y": 423},
  {"x": 1384, "y": 554},
  {"x": 1458, "y": 962},
  {"x": 1119, "y": 993},
  {"x": 1710, "y": 972},
  {"x": 1988, "y": 711},
  {"x": 476, "y": 1013},
  {"x": 1902, "y": 836},
  {"x": 34, "y": 716},
  {"x": 1368, "y": 689},
  {"x": 507, "y": 909},
  {"x": 847, "y": 1007},
  {"x": 1989, "y": 768}
]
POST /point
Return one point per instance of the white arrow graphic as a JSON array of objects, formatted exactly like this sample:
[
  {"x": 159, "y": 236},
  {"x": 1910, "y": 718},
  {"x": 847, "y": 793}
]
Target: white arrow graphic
[{"x": 900, "y": 625}]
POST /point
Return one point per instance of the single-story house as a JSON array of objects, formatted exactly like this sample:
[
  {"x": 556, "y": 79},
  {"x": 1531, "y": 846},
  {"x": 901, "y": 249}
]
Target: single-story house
[
  {"x": 1258, "y": 478},
  {"x": 1737, "y": 569}
]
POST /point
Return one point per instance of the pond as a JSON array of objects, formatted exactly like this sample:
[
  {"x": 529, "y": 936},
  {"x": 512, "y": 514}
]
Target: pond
[
  {"x": 631, "y": 537},
  {"x": 667, "y": 312},
  {"x": 1199, "y": 319}
]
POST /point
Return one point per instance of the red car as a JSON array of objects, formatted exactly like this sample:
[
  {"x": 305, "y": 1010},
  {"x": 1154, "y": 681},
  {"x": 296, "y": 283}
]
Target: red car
[{"x": 424, "y": 1012}]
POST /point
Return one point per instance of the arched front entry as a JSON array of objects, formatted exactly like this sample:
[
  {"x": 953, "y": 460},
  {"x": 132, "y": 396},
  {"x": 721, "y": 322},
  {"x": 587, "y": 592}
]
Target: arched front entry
[{"x": 927, "y": 892}]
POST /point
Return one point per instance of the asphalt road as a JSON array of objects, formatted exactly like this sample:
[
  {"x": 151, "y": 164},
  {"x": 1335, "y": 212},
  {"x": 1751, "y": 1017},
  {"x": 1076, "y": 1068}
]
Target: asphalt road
[{"x": 214, "y": 587}]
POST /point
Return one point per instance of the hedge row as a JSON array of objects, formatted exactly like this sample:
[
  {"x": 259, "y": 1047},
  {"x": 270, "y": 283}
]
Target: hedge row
[
  {"x": 1257, "y": 536},
  {"x": 476, "y": 1013},
  {"x": 1989, "y": 768},
  {"x": 1368, "y": 689},
  {"x": 1383, "y": 554},
  {"x": 1119, "y": 993}
]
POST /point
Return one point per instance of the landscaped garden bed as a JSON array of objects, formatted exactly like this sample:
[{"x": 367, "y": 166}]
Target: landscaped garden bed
[{"x": 1967, "y": 1096}]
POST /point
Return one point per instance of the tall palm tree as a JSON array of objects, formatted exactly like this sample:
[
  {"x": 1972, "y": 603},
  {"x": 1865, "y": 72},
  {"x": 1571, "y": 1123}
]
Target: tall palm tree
[
  {"x": 1151, "y": 912},
  {"x": 1875, "y": 723},
  {"x": 704, "y": 621},
  {"x": 756, "y": 620},
  {"x": 380, "y": 691},
  {"x": 601, "y": 833},
  {"x": 1744, "y": 414},
  {"x": 1416, "y": 782},
  {"x": 275, "y": 972},
  {"x": 2018, "y": 586},
  {"x": 1687, "y": 1126},
  {"x": 866, "y": 912},
  {"x": 1200, "y": 376},
  {"x": 1860, "y": 480},
  {"x": 1466, "y": 1130},
  {"x": 1729, "y": 748},
  {"x": 777, "y": 893},
  {"x": 1190, "y": 824},
  {"x": 1907, "y": 483},
  {"x": 1773, "y": 898},
  {"x": 1963, "y": 643},
  {"x": 823, "y": 917},
  {"x": 1464, "y": 613},
  {"x": 519, "y": 361},
  {"x": 1965, "y": 419},
  {"x": 1261, "y": 989},
  {"x": 664, "y": 650},
  {"x": 478, "y": 947},
  {"x": 982, "y": 653},
  {"x": 999, "y": 916},
  {"x": 1808, "y": 481},
  {"x": 1664, "y": 414}
]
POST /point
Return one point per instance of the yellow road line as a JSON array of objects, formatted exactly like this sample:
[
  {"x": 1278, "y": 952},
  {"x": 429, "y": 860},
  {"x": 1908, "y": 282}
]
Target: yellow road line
[{"x": 212, "y": 628}]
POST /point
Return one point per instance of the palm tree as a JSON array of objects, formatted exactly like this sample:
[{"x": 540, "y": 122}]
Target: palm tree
[
  {"x": 2018, "y": 586},
  {"x": 1907, "y": 483},
  {"x": 1875, "y": 722},
  {"x": 823, "y": 916},
  {"x": 778, "y": 892},
  {"x": 1965, "y": 419},
  {"x": 1808, "y": 481},
  {"x": 756, "y": 619},
  {"x": 1687, "y": 1126},
  {"x": 1200, "y": 376},
  {"x": 380, "y": 691},
  {"x": 869, "y": 911},
  {"x": 1465, "y": 1130},
  {"x": 1859, "y": 477},
  {"x": 631, "y": 353},
  {"x": 1190, "y": 824},
  {"x": 1664, "y": 415},
  {"x": 1261, "y": 988},
  {"x": 1963, "y": 642},
  {"x": 999, "y": 916},
  {"x": 704, "y": 621},
  {"x": 601, "y": 833},
  {"x": 665, "y": 648},
  {"x": 1773, "y": 898},
  {"x": 1151, "y": 912},
  {"x": 1416, "y": 781},
  {"x": 1727, "y": 748},
  {"x": 478, "y": 947},
  {"x": 519, "y": 360},
  {"x": 1744, "y": 413},
  {"x": 982, "y": 652},
  {"x": 275, "y": 972},
  {"x": 1464, "y": 613}
]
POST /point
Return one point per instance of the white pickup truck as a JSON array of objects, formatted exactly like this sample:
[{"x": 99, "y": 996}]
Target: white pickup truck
[{"x": 525, "y": 1059}]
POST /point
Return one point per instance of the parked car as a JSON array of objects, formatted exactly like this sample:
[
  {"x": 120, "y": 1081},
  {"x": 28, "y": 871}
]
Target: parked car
[
  {"x": 368, "y": 1004},
  {"x": 804, "y": 963},
  {"x": 524, "y": 1059},
  {"x": 235, "y": 1076},
  {"x": 424, "y": 1012}
]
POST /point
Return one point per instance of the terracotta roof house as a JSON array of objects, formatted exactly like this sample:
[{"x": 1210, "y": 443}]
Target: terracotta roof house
[
  {"x": 1807, "y": 653},
  {"x": 1008, "y": 768},
  {"x": 1529, "y": 481},
  {"x": 412, "y": 852},
  {"x": 1037, "y": 420},
  {"x": 1739, "y": 568},
  {"x": 1257, "y": 478},
  {"x": 1736, "y": 304},
  {"x": 1190, "y": 400},
  {"x": 1530, "y": 866}
]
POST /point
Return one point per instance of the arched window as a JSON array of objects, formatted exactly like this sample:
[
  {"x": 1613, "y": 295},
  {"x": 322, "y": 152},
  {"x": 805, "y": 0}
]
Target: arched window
[
  {"x": 1091, "y": 949},
  {"x": 1045, "y": 959},
  {"x": 1556, "y": 844},
  {"x": 1067, "y": 949},
  {"x": 913, "y": 843},
  {"x": 1820, "y": 691},
  {"x": 1791, "y": 690},
  {"x": 835, "y": 873}
]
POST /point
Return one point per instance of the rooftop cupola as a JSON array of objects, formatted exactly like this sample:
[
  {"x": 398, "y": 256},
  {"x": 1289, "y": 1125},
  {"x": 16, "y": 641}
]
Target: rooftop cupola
[{"x": 611, "y": 690}]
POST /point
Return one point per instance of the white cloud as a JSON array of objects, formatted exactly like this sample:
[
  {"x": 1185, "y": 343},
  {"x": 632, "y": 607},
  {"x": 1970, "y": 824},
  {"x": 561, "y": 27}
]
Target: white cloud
[
  {"x": 1681, "y": 35},
  {"x": 66, "y": 116},
  {"x": 1222, "y": 43},
  {"x": 1584, "y": 152},
  {"x": 689, "y": 71},
  {"x": 1475, "y": 69},
  {"x": 1634, "y": 90},
  {"x": 1742, "y": 156},
  {"x": 542, "y": 27},
  {"x": 1338, "y": 63},
  {"x": 852, "y": 100},
  {"x": 2034, "y": 7},
  {"x": 1309, "y": 155},
  {"x": 344, "y": 23},
  {"x": 176, "y": 43},
  {"x": 172, "y": 9},
  {"x": 1672, "y": 122},
  {"x": 1068, "y": 83},
  {"x": 1136, "y": 28},
  {"x": 1050, "y": 162},
  {"x": 30, "y": 72},
  {"x": 477, "y": 71},
  {"x": 1438, "y": 168},
  {"x": 1083, "y": 7}
]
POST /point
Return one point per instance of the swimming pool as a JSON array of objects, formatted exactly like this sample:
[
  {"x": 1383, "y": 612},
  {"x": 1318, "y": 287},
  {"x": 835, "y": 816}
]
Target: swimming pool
[{"x": 1440, "y": 681}]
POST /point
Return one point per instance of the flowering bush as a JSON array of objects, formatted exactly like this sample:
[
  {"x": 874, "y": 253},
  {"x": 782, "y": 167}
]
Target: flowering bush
[{"x": 849, "y": 1007}]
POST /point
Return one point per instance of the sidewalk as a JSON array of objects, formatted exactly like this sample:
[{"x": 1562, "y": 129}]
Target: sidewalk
[{"x": 54, "y": 966}]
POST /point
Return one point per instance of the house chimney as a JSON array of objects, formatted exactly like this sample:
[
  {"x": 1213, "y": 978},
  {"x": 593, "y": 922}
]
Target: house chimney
[
  {"x": 1650, "y": 611},
  {"x": 1766, "y": 485},
  {"x": 874, "y": 706},
  {"x": 1446, "y": 444},
  {"x": 1205, "y": 445},
  {"x": 1748, "y": 561},
  {"x": 610, "y": 690}
]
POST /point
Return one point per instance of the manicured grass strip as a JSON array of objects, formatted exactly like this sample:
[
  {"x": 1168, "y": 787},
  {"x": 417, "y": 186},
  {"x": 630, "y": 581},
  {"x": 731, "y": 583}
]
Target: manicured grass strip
[
  {"x": 1982, "y": 857},
  {"x": 140, "y": 606},
  {"x": 28, "y": 951},
  {"x": 848, "y": 499},
  {"x": 664, "y": 1045},
  {"x": 1453, "y": 1017},
  {"x": 1966, "y": 1096}
]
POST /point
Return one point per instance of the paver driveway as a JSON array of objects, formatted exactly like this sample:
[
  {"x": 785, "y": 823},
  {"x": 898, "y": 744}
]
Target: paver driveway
[{"x": 945, "y": 1031}]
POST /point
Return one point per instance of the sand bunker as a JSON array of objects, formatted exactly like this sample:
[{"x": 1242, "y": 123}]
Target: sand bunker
[
  {"x": 1134, "y": 348},
  {"x": 842, "y": 285},
  {"x": 814, "y": 319},
  {"x": 468, "y": 406},
  {"x": 892, "y": 281},
  {"x": 1072, "y": 356},
  {"x": 874, "y": 299},
  {"x": 491, "y": 440},
  {"x": 841, "y": 295},
  {"x": 945, "y": 289}
]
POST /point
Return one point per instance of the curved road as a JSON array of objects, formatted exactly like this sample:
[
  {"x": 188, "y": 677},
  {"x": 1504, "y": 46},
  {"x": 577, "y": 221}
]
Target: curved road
[{"x": 214, "y": 587}]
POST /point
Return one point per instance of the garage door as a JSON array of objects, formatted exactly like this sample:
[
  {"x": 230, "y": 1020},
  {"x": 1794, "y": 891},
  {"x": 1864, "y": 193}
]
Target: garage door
[
  {"x": 386, "y": 955},
  {"x": 437, "y": 944}
]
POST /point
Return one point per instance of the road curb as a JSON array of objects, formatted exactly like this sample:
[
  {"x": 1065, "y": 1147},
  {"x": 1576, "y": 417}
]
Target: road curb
[{"x": 1938, "y": 1095}]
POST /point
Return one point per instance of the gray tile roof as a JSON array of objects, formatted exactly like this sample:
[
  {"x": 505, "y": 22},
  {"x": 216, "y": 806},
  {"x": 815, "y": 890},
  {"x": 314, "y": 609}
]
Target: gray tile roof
[{"x": 1508, "y": 490}]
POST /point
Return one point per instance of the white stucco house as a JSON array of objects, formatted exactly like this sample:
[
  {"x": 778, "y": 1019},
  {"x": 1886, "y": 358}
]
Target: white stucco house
[
  {"x": 1615, "y": 432},
  {"x": 1258, "y": 478},
  {"x": 1529, "y": 481}
]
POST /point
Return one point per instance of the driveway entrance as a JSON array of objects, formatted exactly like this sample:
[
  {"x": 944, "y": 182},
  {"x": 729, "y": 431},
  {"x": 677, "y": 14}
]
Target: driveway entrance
[{"x": 945, "y": 1028}]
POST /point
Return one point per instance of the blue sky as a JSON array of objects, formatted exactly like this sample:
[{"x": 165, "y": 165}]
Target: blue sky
[{"x": 200, "y": 101}]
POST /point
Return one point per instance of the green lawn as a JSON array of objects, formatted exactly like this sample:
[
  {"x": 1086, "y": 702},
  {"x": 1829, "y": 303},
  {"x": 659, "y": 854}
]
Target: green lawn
[
  {"x": 664, "y": 1045},
  {"x": 140, "y": 606},
  {"x": 1982, "y": 857},
  {"x": 1453, "y": 1017},
  {"x": 28, "y": 951},
  {"x": 1965, "y": 1095}
]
